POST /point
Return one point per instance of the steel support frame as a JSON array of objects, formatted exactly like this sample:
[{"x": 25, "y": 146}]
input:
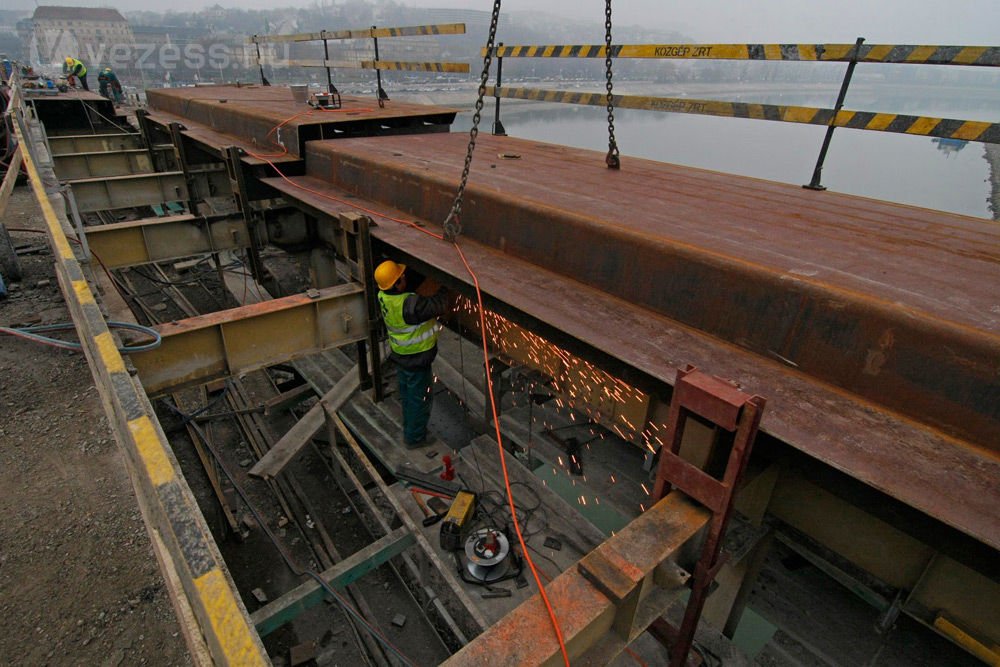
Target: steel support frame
[
  {"x": 737, "y": 417},
  {"x": 105, "y": 194},
  {"x": 238, "y": 185},
  {"x": 212, "y": 617},
  {"x": 149, "y": 240},
  {"x": 91, "y": 143},
  {"x": 207, "y": 347},
  {"x": 359, "y": 227},
  {"x": 102, "y": 164}
]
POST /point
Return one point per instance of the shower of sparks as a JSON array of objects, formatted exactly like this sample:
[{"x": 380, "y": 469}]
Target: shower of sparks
[{"x": 581, "y": 393}]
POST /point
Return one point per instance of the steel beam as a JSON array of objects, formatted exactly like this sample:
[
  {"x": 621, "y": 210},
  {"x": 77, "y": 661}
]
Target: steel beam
[
  {"x": 161, "y": 239},
  {"x": 105, "y": 194},
  {"x": 92, "y": 143},
  {"x": 102, "y": 164},
  {"x": 269, "y": 618},
  {"x": 212, "y": 346},
  {"x": 601, "y": 611},
  {"x": 212, "y": 617}
]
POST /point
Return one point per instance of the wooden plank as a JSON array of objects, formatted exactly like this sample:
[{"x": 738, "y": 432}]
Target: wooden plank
[
  {"x": 272, "y": 616},
  {"x": 288, "y": 399},
  {"x": 306, "y": 428},
  {"x": 11, "y": 177}
]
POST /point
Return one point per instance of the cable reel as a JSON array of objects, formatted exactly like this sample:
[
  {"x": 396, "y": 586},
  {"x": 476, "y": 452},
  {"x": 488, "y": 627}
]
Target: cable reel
[{"x": 486, "y": 551}]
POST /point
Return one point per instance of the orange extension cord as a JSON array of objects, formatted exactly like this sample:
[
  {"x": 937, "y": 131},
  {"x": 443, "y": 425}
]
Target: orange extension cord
[{"x": 489, "y": 380}]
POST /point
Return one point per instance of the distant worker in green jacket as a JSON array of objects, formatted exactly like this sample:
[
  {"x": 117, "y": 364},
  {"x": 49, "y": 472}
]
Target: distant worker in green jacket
[
  {"x": 410, "y": 319},
  {"x": 109, "y": 86},
  {"x": 75, "y": 68}
]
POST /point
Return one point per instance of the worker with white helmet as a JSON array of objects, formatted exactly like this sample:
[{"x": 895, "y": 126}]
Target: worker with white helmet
[{"x": 410, "y": 320}]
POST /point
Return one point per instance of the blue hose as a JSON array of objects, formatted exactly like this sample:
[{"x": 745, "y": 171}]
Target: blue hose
[{"x": 34, "y": 333}]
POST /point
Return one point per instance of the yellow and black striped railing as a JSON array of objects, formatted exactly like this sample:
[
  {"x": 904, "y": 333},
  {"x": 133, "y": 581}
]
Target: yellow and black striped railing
[
  {"x": 967, "y": 130},
  {"x": 378, "y": 65},
  {"x": 366, "y": 33},
  {"x": 974, "y": 56}
]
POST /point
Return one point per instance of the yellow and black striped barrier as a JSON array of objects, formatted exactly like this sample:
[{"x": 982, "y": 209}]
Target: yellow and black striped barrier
[
  {"x": 215, "y": 622},
  {"x": 458, "y": 68},
  {"x": 974, "y": 56},
  {"x": 945, "y": 128},
  {"x": 366, "y": 33}
]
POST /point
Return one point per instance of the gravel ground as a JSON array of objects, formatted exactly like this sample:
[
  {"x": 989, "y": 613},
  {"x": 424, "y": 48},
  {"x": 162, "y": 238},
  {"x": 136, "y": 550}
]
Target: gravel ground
[{"x": 79, "y": 584}]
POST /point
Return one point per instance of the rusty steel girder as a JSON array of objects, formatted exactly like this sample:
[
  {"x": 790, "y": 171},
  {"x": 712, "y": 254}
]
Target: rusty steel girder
[
  {"x": 274, "y": 122},
  {"x": 895, "y": 304}
]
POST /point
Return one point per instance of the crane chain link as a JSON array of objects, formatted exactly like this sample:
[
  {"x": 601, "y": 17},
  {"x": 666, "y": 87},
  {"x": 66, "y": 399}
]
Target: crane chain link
[
  {"x": 612, "y": 159},
  {"x": 453, "y": 223}
]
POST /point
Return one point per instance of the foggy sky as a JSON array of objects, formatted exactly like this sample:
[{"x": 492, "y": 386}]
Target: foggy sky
[{"x": 967, "y": 22}]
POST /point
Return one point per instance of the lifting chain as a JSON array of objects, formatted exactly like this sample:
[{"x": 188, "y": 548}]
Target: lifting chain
[
  {"x": 453, "y": 223},
  {"x": 612, "y": 158}
]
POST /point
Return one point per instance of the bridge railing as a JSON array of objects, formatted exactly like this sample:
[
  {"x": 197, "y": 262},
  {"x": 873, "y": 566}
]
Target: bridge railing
[
  {"x": 374, "y": 33},
  {"x": 831, "y": 118}
]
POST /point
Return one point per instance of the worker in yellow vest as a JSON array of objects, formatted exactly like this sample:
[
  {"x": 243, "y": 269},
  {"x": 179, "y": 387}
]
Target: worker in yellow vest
[
  {"x": 411, "y": 321},
  {"x": 76, "y": 68}
]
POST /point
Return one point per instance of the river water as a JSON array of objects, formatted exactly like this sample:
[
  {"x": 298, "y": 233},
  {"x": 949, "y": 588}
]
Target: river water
[{"x": 915, "y": 170}]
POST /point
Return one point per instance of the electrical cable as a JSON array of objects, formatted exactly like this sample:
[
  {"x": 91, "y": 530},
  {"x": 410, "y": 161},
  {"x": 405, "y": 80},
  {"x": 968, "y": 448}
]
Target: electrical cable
[
  {"x": 345, "y": 605},
  {"x": 34, "y": 334},
  {"x": 489, "y": 382}
]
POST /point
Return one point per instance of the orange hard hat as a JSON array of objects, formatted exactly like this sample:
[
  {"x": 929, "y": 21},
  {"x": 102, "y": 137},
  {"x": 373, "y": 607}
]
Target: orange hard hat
[{"x": 387, "y": 273}]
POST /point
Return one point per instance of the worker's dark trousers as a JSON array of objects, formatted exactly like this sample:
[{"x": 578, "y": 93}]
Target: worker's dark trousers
[
  {"x": 83, "y": 80},
  {"x": 417, "y": 396}
]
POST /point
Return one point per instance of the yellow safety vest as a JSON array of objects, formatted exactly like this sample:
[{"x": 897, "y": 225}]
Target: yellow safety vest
[{"x": 406, "y": 338}]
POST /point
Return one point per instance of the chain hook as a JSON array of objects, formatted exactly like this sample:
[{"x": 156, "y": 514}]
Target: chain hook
[
  {"x": 612, "y": 158},
  {"x": 452, "y": 224}
]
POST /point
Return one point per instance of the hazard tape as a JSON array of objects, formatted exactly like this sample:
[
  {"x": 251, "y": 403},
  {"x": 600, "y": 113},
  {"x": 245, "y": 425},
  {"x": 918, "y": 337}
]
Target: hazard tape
[
  {"x": 459, "y": 68},
  {"x": 367, "y": 33},
  {"x": 976, "y": 56},
  {"x": 167, "y": 505},
  {"x": 945, "y": 128}
]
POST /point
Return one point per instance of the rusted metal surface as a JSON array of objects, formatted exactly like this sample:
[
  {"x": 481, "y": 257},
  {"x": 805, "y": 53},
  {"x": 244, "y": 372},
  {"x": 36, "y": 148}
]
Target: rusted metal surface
[
  {"x": 943, "y": 476},
  {"x": 216, "y": 142},
  {"x": 62, "y": 111},
  {"x": 896, "y": 304},
  {"x": 700, "y": 394},
  {"x": 270, "y": 119},
  {"x": 586, "y": 614},
  {"x": 205, "y": 347}
]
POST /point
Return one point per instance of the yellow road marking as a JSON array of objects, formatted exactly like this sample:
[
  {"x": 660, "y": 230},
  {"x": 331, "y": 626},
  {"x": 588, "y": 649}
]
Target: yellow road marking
[{"x": 150, "y": 448}]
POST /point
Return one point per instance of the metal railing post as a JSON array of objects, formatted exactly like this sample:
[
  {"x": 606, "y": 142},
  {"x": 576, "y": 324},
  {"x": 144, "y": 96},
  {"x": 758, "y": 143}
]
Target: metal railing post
[
  {"x": 498, "y": 128},
  {"x": 260, "y": 65},
  {"x": 380, "y": 93},
  {"x": 814, "y": 184},
  {"x": 330, "y": 88}
]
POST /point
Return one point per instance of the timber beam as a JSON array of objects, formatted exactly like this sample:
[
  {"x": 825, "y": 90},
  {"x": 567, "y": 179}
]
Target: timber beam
[
  {"x": 92, "y": 143},
  {"x": 103, "y": 164},
  {"x": 207, "y": 347},
  {"x": 610, "y": 598},
  {"x": 161, "y": 239},
  {"x": 105, "y": 194}
]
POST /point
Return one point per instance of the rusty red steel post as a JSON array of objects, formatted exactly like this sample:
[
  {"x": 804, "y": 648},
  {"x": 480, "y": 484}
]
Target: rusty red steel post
[{"x": 736, "y": 413}]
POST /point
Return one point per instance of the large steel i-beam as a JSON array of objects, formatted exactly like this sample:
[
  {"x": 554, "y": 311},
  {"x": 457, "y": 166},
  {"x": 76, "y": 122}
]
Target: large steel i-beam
[
  {"x": 106, "y": 194},
  {"x": 148, "y": 240},
  {"x": 206, "y": 347}
]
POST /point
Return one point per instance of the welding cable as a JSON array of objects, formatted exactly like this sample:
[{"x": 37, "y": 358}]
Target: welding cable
[
  {"x": 34, "y": 334},
  {"x": 503, "y": 459},
  {"x": 635, "y": 656},
  {"x": 489, "y": 381},
  {"x": 289, "y": 563}
]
